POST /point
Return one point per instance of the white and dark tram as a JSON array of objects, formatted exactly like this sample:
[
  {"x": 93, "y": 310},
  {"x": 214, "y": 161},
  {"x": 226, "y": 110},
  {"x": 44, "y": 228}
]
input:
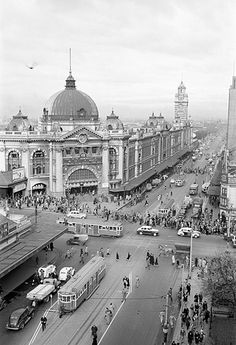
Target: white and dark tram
[{"x": 82, "y": 285}]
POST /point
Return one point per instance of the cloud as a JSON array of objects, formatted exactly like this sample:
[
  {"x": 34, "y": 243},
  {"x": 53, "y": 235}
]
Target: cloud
[{"x": 132, "y": 53}]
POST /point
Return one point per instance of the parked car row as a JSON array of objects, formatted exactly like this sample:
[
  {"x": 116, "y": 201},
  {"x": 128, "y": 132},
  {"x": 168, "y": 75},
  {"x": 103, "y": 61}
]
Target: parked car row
[{"x": 42, "y": 293}]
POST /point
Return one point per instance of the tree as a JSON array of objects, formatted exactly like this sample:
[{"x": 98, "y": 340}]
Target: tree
[{"x": 220, "y": 282}]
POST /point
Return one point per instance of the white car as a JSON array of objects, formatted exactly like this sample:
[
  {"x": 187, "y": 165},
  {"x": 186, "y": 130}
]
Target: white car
[
  {"x": 46, "y": 270},
  {"x": 186, "y": 232},
  {"x": 147, "y": 230},
  {"x": 76, "y": 214},
  {"x": 66, "y": 273},
  {"x": 172, "y": 181}
]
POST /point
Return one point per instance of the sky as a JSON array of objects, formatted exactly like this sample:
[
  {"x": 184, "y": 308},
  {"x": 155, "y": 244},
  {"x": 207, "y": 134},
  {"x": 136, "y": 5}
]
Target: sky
[{"x": 128, "y": 55}]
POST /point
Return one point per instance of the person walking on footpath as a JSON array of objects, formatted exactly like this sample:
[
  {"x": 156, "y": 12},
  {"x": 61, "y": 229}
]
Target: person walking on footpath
[
  {"x": 170, "y": 294},
  {"x": 86, "y": 251},
  {"x": 44, "y": 322},
  {"x": 117, "y": 256},
  {"x": 173, "y": 259},
  {"x": 108, "y": 252}
]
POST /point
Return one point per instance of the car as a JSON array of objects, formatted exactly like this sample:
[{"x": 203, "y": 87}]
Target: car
[
  {"x": 79, "y": 239},
  {"x": 66, "y": 273},
  {"x": 61, "y": 220},
  {"x": 19, "y": 318},
  {"x": 186, "y": 232},
  {"x": 172, "y": 181},
  {"x": 46, "y": 271},
  {"x": 76, "y": 214},
  {"x": 147, "y": 230},
  {"x": 179, "y": 183}
]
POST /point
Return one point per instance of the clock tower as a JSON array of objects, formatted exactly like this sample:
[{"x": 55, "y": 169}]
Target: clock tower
[{"x": 181, "y": 104}]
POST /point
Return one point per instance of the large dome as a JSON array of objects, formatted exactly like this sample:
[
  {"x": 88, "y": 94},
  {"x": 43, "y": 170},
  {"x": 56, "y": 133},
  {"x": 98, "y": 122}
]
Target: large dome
[{"x": 72, "y": 102}]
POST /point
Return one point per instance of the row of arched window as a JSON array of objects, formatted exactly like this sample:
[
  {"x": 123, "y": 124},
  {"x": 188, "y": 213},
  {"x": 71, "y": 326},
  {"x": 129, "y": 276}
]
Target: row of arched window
[{"x": 38, "y": 161}]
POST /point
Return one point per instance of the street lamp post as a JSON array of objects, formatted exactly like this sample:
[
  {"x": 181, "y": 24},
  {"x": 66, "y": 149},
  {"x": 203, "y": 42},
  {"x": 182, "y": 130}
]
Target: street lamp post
[{"x": 191, "y": 254}]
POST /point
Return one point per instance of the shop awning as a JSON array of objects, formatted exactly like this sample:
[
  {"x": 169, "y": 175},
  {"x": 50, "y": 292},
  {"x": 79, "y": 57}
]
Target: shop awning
[{"x": 5, "y": 179}]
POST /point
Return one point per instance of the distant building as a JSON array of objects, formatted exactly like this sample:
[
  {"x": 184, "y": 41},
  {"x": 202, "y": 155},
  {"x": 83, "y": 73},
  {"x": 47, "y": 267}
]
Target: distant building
[
  {"x": 228, "y": 178},
  {"x": 181, "y": 104},
  {"x": 73, "y": 151}
]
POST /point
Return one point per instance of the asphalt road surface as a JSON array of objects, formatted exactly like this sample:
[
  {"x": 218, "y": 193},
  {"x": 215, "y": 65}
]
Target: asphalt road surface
[{"x": 137, "y": 320}]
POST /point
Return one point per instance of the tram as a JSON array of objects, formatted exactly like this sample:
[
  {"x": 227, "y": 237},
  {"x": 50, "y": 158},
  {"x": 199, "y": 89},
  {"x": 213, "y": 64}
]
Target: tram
[
  {"x": 94, "y": 226},
  {"x": 82, "y": 285}
]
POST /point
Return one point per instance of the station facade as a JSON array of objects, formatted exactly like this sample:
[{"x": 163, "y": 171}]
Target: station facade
[{"x": 72, "y": 150}]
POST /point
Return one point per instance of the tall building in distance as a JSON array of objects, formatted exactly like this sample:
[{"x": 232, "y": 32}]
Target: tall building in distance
[
  {"x": 228, "y": 177},
  {"x": 181, "y": 104},
  {"x": 231, "y": 126}
]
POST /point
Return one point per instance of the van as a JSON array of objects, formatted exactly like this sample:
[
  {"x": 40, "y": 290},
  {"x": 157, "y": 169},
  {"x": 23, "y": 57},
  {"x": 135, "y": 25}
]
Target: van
[{"x": 76, "y": 214}]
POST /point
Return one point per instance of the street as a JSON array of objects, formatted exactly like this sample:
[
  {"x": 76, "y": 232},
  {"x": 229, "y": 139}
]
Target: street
[{"x": 136, "y": 321}]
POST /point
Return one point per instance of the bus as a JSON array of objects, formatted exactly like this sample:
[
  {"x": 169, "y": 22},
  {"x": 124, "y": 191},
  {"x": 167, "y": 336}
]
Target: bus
[
  {"x": 82, "y": 285},
  {"x": 95, "y": 226},
  {"x": 193, "y": 190}
]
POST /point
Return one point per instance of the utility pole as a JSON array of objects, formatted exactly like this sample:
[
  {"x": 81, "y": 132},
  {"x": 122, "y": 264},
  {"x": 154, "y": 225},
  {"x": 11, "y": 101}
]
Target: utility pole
[
  {"x": 191, "y": 254},
  {"x": 166, "y": 324}
]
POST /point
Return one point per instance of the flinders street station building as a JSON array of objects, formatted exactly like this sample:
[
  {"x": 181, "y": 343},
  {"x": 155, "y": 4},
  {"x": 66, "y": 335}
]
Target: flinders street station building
[{"x": 72, "y": 150}]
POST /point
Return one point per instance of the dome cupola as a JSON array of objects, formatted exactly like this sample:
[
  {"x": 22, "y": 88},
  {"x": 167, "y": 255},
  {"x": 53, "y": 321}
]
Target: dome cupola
[{"x": 113, "y": 122}]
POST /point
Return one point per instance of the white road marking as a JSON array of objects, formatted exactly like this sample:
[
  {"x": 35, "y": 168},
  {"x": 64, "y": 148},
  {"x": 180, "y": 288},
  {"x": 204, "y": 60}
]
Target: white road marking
[
  {"x": 122, "y": 303},
  {"x": 36, "y": 332}
]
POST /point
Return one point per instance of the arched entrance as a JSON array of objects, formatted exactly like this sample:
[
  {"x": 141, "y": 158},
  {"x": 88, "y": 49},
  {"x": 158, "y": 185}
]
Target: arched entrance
[
  {"x": 82, "y": 181},
  {"x": 39, "y": 188}
]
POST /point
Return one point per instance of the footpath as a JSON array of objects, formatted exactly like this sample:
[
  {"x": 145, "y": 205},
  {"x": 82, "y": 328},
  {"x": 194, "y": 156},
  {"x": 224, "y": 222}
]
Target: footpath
[{"x": 179, "y": 336}]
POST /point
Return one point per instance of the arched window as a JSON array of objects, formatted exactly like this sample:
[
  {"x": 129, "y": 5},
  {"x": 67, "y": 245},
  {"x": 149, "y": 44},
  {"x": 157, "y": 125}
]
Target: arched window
[
  {"x": 113, "y": 163},
  {"x": 38, "y": 163},
  {"x": 13, "y": 160}
]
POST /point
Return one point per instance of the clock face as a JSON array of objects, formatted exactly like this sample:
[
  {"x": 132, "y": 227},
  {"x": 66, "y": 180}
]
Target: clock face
[{"x": 82, "y": 138}]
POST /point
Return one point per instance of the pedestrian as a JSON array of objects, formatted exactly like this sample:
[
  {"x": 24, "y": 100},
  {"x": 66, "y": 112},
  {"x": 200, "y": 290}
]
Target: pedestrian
[
  {"x": 82, "y": 259},
  {"x": 170, "y": 294},
  {"x": 128, "y": 256},
  {"x": 94, "y": 330},
  {"x": 173, "y": 259},
  {"x": 111, "y": 308},
  {"x": 201, "y": 336},
  {"x": 188, "y": 288},
  {"x": 51, "y": 246},
  {"x": 127, "y": 281},
  {"x": 190, "y": 337},
  {"x": 44, "y": 322},
  {"x": 124, "y": 294},
  {"x": 195, "y": 298},
  {"x": 95, "y": 341},
  {"x": 200, "y": 297},
  {"x": 162, "y": 317},
  {"x": 182, "y": 334},
  {"x": 207, "y": 315},
  {"x": 197, "y": 337},
  {"x": 196, "y": 262},
  {"x": 108, "y": 252},
  {"x": 204, "y": 305},
  {"x": 86, "y": 251},
  {"x": 117, "y": 256},
  {"x": 137, "y": 281},
  {"x": 156, "y": 261},
  {"x": 107, "y": 316},
  {"x": 37, "y": 260}
]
